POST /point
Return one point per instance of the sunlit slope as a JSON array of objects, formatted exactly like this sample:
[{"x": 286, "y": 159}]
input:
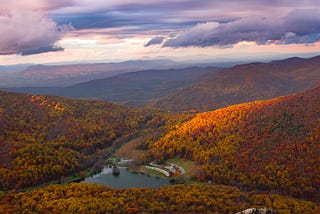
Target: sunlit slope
[{"x": 271, "y": 145}]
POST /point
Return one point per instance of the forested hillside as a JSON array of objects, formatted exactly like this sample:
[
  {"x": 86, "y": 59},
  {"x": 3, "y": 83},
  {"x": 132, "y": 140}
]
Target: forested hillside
[
  {"x": 245, "y": 83},
  {"x": 88, "y": 198},
  {"x": 45, "y": 137},
  {"x": 270, "y": 146}
]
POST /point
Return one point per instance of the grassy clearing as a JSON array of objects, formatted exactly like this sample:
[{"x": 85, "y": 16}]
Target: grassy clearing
[
  {"x": 78, "y": 176},
  {"x": 155, "y": 173},
  {"x": 130, "y": 150},
  {"x": 191, "y": 167}
]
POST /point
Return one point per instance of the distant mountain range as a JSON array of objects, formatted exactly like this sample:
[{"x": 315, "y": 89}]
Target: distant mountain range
[
  {"x": 135, "y": 88},
  {"x": 13, "y": 68},
  {"x": 244, "y": 83},
  {"x": 183, "y": 89},
  {"x": 66, "y": 75}
]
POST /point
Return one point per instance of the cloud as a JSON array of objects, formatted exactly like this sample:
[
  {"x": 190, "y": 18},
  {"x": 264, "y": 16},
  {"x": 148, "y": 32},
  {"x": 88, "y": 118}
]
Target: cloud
[
  {"x": 161, "y": 14},
  {"x": 33, "y": 25},
  {"x": 167, "y": 16},
  {"x": 41, "y": 50},
  {"x": 93, "y": 6},
  {"x": 155, "y": 41},
  {"x": 43, "y": 5},
  {"x": 299, "y": 26},
  {"x": 304, "y": 24},
  {"x": 176, "y": 6},
  {"x": 27, "y": 29}
]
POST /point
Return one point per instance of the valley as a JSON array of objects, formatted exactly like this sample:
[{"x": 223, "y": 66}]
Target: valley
[
  {"x": 262, "y": 153},
  {"x": 50, "y": 137}
]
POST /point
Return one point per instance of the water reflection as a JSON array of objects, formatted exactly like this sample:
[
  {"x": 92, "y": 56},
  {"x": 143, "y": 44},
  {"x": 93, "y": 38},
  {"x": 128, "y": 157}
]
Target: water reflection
[{"x": 126, "y": 179}]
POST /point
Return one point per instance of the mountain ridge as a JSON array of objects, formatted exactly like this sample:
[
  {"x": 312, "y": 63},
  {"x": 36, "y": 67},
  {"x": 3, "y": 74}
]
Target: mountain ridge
[
  {"x": 134, "y": 88},
  {"x": 66, "y": 75},
  {"x": 244, "y": 83},
  {"x": 195, "y": 89}
]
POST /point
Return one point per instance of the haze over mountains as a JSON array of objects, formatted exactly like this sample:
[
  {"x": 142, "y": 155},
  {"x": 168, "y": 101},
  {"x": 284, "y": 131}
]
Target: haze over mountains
[
  {"x": 66, "y": 75},
  {"x": 198, "y": 88},
  {"x": 138, "y": 87}
]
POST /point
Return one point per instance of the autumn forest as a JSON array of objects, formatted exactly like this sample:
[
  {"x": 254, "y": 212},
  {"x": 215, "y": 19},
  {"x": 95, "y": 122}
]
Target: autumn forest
[{"x": 261, "y": 153}]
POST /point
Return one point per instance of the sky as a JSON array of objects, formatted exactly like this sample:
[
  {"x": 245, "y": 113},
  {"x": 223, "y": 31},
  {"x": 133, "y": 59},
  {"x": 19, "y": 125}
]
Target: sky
[{"x": 75, "y": 31}]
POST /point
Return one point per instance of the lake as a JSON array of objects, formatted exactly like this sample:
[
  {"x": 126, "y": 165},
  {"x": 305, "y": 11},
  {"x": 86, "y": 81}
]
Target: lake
[{"x": 126, "y": 179}]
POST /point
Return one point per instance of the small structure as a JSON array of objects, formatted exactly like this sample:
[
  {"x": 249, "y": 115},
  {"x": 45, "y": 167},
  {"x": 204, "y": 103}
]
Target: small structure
[
  {"x": 115, "y": 170},
  {"x": 155, "y": 168},
  {"x": 257, "y": 211},
  {"x": 125, "y": 161}
]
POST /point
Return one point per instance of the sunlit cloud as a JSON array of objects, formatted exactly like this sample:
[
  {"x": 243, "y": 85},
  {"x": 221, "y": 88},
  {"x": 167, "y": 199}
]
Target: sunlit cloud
[
  {"x": 27, "y": 29},
  {"x": 98, "y": 30},
  {"x": 299, "y": 26}
]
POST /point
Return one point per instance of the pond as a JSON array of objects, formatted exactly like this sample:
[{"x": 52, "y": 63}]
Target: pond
[{"x": 126, "y": 179}]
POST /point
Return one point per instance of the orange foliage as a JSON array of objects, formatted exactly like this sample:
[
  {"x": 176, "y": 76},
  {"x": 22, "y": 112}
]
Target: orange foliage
[
  {"x": 46, "y": 137},
  {"x": 89, "y": 198},
  {"x": 265, "y": 145}
]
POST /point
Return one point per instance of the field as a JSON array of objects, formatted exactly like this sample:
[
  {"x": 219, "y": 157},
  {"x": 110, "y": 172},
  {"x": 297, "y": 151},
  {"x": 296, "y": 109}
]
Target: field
[
  {"x": 191, "y": 167},
  {"x": 130, "y": 150}
]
